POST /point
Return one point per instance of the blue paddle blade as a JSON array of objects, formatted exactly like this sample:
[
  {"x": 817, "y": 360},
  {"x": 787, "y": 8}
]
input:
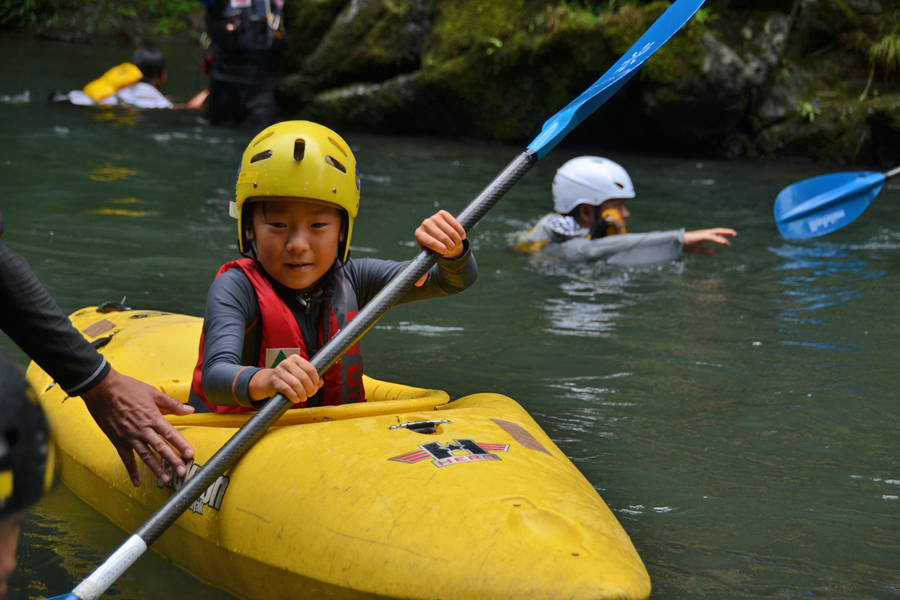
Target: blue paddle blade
[
  {"x": 820, "y": 205},
  {"x": 560, "y": 124},
  {"x": 65, "y": 597}
]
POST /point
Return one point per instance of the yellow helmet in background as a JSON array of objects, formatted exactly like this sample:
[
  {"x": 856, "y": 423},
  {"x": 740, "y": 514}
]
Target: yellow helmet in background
[{"x": 302, "y": 160}]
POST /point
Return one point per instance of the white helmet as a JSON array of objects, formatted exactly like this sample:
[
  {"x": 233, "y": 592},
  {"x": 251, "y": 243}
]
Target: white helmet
[{"x": 589, "y": 180}]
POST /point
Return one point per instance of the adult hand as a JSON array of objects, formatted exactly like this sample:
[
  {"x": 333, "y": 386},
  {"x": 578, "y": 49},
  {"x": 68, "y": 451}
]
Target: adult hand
[
  {"x": 442, "y": 233},
  {"x": 693, "y": 240},
  {"x": 128, "y": 412}
]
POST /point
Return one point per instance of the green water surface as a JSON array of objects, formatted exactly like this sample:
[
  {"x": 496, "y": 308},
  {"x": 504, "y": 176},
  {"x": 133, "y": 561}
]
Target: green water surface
[{"x": 738, "y": 414}]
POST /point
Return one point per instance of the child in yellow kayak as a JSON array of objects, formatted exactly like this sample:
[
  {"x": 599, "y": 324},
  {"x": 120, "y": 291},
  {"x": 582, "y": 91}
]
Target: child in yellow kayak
[
  {"x": 589, "y": 194},
  {"x": 296, "y": 203}
]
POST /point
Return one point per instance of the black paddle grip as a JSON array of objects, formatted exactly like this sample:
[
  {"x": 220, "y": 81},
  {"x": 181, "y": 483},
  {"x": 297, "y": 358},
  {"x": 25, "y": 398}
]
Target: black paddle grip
[{"x": 270, "y": 411}]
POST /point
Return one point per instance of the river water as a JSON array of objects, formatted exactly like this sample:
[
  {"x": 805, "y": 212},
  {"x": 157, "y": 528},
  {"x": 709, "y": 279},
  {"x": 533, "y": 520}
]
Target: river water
[{"x": 739, "y": 414}]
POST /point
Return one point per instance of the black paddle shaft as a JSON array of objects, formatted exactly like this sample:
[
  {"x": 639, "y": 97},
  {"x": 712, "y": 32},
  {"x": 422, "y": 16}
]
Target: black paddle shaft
[{"x": 330, "y": 353}]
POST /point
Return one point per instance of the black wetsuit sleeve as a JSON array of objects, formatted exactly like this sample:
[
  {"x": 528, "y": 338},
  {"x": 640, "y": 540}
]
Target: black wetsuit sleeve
[
  {"x": 38, "y": 326},
  {"x": 232, "y": 313},
  {"x": 447, "y": 277}
]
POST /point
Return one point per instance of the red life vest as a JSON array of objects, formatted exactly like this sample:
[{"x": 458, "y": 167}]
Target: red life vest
[{"x": 280, "y": 331}]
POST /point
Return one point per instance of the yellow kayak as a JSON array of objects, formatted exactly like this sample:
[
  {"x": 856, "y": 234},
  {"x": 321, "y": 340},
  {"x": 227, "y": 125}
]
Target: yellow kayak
[{"x": 355, "y": 501}]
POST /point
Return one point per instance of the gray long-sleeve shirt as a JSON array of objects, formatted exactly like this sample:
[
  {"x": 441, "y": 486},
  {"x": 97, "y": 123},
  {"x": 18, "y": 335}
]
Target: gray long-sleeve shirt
[
  {"x": 232, "y": 333},
  {"x": 626, "y": 250}
]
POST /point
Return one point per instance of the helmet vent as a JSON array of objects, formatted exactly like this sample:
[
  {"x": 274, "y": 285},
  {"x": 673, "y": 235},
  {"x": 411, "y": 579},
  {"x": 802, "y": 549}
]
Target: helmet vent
[
  {"x": 299, "y": 149},
  {"x": 339, "y": 147},
  {"x": 265, "y": 137},
  {"x": 621, "y": 187},
  {"x": 12, "y": 437},
  {"x": 261, "y": 156},
  {"x": 335, "y": 164}
]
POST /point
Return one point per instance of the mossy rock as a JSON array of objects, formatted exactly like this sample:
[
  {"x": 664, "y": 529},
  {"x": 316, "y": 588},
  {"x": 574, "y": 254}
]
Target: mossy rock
[
  {"x": 370, "y": 41},
  {"x": 845, "y": 132},
  {"x": 375, "y": 107},
  {"x": 307, "y": 22}
]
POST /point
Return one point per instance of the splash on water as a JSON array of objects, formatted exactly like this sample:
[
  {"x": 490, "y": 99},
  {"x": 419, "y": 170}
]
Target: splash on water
[{"x": 23, "y": 98}]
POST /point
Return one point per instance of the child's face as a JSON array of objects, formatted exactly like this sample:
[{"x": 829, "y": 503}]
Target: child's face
[
  {"x": 296, "y": 241},
  {"x": 161, "y": 79}
]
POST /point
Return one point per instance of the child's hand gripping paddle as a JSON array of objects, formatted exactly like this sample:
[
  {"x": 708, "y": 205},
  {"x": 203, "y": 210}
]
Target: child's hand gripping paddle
[
  {"x": 553, "y": 131},
  {"x": 823, "y": 204}
]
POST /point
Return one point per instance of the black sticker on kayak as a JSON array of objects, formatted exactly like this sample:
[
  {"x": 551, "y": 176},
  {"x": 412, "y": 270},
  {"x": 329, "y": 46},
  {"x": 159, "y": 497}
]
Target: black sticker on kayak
[
  {"x": 444, "y": 455},
  {"x": 213, "y": 495}
]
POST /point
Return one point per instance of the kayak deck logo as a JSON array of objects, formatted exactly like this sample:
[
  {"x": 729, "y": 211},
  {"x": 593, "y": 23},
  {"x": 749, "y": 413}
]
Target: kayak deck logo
[
  {"x": 213, "y": 495},
  {"x": 444, "y": 455}
]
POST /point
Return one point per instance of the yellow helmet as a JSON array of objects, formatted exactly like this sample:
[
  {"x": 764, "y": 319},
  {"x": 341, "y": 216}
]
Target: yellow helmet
[{"x": 303, "y": 160}]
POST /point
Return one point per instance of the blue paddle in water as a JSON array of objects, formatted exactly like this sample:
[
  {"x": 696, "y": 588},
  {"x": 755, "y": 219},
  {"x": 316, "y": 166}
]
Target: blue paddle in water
[
  {"x": 552, "y": 132},
  {"x": 820, "y": 205}
]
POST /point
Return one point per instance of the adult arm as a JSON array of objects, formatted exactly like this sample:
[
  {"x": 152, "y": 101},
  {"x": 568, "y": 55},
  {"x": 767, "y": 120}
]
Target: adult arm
[
  {"x": 127, "y": 410},
  {"x": 627, "y": 250}
]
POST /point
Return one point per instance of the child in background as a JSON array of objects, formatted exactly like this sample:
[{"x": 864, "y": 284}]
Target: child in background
[
  {"x": 135, "y": 84},
  {"x": 296, "y": 203},
  {"x": 589, "y": 194}
]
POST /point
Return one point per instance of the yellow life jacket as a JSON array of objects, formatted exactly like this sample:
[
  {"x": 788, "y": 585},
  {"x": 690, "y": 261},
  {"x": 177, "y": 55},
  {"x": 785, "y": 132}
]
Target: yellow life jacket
[
  {"x": 615, "y": 224},
  {"x": 112, "y": 81}
]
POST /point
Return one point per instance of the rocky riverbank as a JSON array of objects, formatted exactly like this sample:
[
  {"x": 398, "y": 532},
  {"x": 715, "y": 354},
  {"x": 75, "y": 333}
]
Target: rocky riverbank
[
  {"x": 815, "y": 79},
  {"x": 758, "y": 77}
]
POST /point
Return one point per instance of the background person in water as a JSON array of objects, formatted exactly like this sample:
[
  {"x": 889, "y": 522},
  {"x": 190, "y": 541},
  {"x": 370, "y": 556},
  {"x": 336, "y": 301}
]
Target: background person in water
[
  {"x": 137, "y": 84},
  {"x": 589, "y": 194}
]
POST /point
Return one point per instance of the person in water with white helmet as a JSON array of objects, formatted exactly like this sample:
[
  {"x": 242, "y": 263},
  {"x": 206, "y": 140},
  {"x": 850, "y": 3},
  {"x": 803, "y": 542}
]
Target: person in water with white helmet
[
  {"x": 589, "y": 194},
  {"x": 26, "y": 460}
]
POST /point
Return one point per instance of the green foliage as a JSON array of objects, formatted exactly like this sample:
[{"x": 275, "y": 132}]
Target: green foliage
[
  {"x": 704, "y": 16},
  {"x": 161, "y": 17},
  {"x": 21, "y": 12},
  {"x": 599, "y": 6},
  {"x": 886, "y": 53},
  {"x": 808, "y": 110}
]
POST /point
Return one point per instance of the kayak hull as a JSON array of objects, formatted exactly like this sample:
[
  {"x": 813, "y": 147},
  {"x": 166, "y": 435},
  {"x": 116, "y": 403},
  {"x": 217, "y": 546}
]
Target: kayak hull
[{"x": 334, "y": 502}]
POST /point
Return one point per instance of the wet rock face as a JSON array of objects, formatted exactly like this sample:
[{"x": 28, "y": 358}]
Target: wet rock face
[
  {"x": 745, "y": 78},
  {"x": 705, "y": 110},
  {"x": 369, "y": 41}
]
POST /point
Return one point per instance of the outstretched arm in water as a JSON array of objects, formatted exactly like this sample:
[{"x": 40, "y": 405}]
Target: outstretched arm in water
[{"x": 693, "y": 240}]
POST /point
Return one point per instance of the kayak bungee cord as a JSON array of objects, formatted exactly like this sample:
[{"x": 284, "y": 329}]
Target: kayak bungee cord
[{"x": 552, "y": 132}]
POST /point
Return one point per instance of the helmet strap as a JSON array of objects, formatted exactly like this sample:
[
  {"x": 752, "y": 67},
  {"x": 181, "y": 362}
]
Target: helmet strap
[
  {"x": 342, "y": 246},
  {"x": 247, "y": 218}
]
